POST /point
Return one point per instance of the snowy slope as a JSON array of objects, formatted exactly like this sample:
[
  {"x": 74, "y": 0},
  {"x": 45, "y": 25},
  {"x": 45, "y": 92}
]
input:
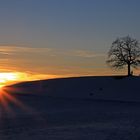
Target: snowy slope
[
  {"x": 66, "y": 109},
  {"x": 107, "y": 88}
]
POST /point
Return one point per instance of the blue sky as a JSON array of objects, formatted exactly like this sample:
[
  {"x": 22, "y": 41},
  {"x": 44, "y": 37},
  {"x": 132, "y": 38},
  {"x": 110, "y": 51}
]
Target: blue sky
[{"x": 77, "y": 33}]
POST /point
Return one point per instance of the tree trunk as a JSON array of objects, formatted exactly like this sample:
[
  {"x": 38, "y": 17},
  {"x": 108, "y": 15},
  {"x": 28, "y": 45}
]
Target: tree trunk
[{"x": 129, "y": 70}]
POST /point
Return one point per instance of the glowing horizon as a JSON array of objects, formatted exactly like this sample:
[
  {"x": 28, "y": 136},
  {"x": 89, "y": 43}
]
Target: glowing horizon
[
  {"x": 7, "y": 78},
  {"x": 22, "y": 63},
  {"x": 13, "y": 77}
]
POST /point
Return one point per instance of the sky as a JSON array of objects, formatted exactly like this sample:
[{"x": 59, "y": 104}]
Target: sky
[{"x": 60, "y": 38}]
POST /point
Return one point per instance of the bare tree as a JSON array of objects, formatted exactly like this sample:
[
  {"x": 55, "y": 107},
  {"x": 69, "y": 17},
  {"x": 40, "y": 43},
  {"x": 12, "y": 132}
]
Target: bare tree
[{"x": 124, "y": 52}]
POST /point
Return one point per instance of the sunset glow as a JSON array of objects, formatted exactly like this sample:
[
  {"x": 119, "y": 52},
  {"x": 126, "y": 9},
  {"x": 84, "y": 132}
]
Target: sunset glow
[{"x": 7, "y": 78}]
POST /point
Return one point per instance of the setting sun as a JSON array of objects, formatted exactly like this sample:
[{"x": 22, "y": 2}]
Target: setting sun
[{"x": 6, "y": 78}]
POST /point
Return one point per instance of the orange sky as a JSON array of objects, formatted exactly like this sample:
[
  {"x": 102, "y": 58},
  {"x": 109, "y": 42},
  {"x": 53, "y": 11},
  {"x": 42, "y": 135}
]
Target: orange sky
[{"x": 23, "y": 63}]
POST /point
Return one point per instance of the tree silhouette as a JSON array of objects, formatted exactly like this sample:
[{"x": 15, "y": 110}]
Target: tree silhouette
[{"x": 124, "y": 52}]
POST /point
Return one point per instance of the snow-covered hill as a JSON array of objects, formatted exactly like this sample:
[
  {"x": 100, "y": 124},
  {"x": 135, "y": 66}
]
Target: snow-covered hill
[
  {"x": 86, "y": 108},
  {"x": 100, "y": 87}
]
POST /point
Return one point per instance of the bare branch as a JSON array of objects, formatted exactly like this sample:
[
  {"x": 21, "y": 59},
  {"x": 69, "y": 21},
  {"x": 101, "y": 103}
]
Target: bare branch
[{"x": 124, "y": 51}]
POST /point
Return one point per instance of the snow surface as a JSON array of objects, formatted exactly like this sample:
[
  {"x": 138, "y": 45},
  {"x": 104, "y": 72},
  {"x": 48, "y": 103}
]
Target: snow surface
[{"x": 88, "y": 108}]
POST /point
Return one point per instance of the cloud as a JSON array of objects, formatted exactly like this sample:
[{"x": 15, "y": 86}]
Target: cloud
[
  {"x": 11, "y": 49},
  {"x": 49, "y": 61},
  {"x": 17, "y": 49},
  {"x": 87, "y": 54}
]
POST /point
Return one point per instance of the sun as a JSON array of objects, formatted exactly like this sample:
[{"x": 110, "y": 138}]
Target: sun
[{"x": 6, "y": 78}]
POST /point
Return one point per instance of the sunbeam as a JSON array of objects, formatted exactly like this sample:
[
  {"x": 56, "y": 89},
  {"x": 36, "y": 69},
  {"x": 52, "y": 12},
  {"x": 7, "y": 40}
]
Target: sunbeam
[{"x": 7, "y": 100}]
